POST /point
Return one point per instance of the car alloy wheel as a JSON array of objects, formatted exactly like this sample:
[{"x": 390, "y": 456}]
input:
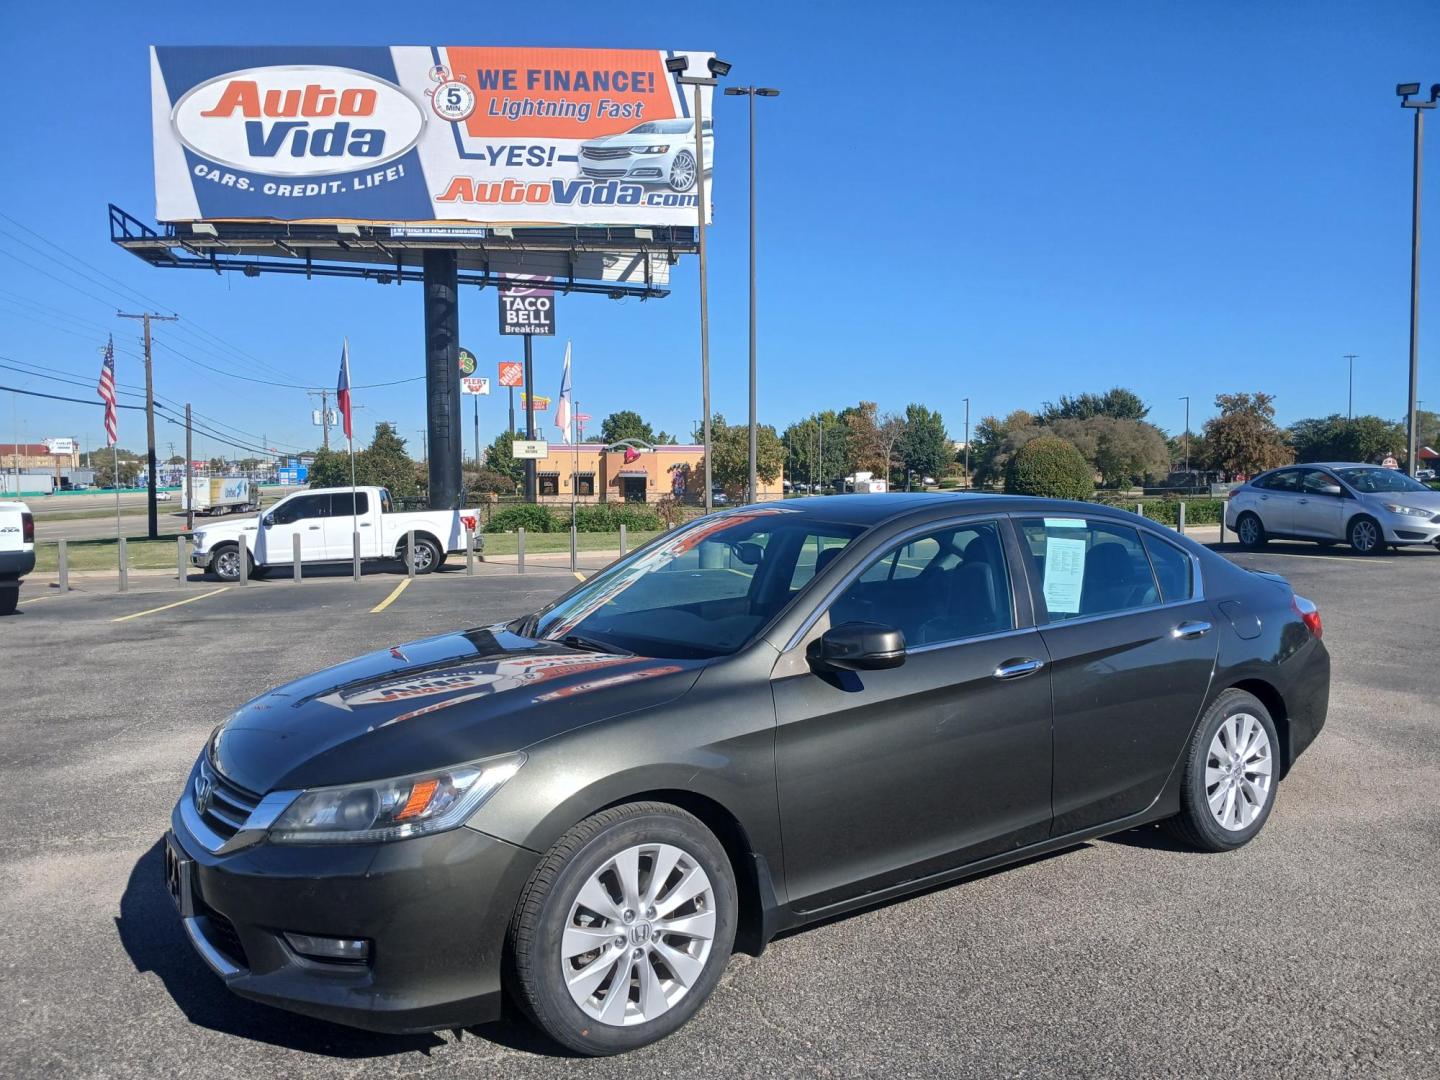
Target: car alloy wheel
[
  {"x": 1249, "y": 530},
  {"x": 682, "y": 171},
  {"x": 1239, "y": 770},
  {"x": 227, "y": 564},
  {"x": 426, "y": 555},
  {"x": 638, "y": 935},
  {"x": 1365, "y": 536}
]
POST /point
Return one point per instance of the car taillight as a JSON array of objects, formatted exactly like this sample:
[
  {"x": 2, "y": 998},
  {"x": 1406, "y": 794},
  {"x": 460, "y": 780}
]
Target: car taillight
[
  {"x": 27, "y": 528},
  {"x": 1309, "y": 614}
]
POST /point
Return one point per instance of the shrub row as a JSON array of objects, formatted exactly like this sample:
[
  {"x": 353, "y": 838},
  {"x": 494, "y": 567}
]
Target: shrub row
[{"x": 601, "y": 517}]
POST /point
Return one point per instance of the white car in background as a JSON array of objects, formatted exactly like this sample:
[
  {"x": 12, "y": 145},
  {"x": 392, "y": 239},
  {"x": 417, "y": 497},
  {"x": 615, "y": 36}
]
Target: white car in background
[
  {"x": 655, "y": 152},
  {"x": 17, "y": 551},
  {"x": 1367, "y": 506}
]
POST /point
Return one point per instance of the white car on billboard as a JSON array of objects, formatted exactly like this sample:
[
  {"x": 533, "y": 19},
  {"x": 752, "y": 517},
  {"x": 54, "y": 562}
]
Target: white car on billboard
[{"x": 655, "y": 152}]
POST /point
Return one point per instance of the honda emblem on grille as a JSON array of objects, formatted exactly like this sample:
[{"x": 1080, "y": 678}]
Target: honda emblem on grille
[{"x": 202, "y": 794}]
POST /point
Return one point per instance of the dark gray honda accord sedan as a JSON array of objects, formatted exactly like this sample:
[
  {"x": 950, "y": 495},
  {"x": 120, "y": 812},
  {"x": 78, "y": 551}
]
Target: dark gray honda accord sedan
[{"x": 767, "y": 717}]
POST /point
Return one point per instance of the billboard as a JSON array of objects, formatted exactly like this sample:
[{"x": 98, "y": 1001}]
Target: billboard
[{"x": 426, "y": 134}]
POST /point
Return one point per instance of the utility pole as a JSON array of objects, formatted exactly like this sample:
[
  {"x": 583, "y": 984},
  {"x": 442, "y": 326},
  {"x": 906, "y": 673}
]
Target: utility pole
[
  {"x": 152, "y": 511},
  {"x": 189, "y": 465},
  {"x": 1186, "y": 399},
  {"x": 1350, "y": 405},
  {"x": 1407, "y": 91},
  {"x": 324, "y": 416},
  {"x": 967, "y": 445}
]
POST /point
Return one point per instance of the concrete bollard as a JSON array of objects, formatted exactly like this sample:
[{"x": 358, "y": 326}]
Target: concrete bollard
[
  {"x": 64, "y": 566},
  {"x": 1181, "y": 519},
  {"x": 124, "y": 565},
  {"x": 296, "y": 574},
  {"x": 519, "y": 551},
  {"x": 182, "y": 568},
  {"x": 355, "y": 555},
  {"x": 624, "y": 545},
  {"x": 574, "y": 553},
  {"x": 469, "y": 552},
  {"x": 244, "y": 559},
  {"x": 410, "y": 552},
  {"x": 1222, "y": 525},
  {"x": 1140, "y": 508}
]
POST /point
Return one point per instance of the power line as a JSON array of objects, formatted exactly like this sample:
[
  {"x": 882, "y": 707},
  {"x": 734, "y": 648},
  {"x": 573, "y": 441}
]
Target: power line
[{"x": 57, "y": 397}]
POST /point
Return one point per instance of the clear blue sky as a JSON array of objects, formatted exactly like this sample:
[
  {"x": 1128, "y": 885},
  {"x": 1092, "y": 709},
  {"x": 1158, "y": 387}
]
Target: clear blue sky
[{"x": 1006, "y": 201}]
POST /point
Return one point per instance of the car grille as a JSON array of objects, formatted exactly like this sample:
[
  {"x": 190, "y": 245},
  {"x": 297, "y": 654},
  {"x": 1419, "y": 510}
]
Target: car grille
[
  {"x": 222, "y": 934},
  {"x": 226, "y": 806},
  {"x": 604, "y": 153}
]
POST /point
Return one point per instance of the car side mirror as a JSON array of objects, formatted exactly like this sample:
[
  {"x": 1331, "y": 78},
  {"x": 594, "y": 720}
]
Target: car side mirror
[
  {"x": 859, "y": 646},
  {"x": 268, "y": 520},
  {"x": 1331, "y": 489}
]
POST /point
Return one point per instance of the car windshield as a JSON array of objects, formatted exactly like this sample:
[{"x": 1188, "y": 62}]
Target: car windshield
[
  {"x": 1372, "y": 480},
  {"x": 662, "y": 127},
  {"x": 703, "y": 591}
]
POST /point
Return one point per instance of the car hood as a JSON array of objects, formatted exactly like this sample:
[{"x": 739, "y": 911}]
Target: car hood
[
  {"x": 433, "y": 703},
  {"x": 230, "y": 526},
  {"x": 1421, "y": 500}
]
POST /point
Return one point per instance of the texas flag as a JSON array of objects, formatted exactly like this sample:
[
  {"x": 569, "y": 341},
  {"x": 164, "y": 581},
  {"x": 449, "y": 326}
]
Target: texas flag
[
  {"x": 564, "y": 409},
  {"x": 342, "y": 389}
]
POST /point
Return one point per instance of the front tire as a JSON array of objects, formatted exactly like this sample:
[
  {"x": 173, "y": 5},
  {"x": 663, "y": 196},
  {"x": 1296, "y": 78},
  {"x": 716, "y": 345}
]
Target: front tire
[
  {"x": 682, "y": 171},
  {"x": 1250, "y": 532},
  {"x": 225, "y": 563},
  {"x": 1365, "y": 536},
  {"x": 624, "y": 928},
  {"x": 1231, "y": 769}
]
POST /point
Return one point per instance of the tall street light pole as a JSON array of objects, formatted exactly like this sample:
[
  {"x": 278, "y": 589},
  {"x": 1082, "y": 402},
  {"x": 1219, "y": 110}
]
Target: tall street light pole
[
  {"x": 1186, "y": 399},
  {"x": 752, "y": 92},
  {"x": 1350, "y": 398},
  {"x": 967, "y": 444},
  {"x": 718, "y": 68},
  {"x": 1407, "y": 91}
]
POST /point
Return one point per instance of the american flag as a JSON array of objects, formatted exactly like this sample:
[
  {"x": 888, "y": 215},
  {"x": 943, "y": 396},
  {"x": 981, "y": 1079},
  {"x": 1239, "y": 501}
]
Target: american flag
[{"x": 106, "y": 390}]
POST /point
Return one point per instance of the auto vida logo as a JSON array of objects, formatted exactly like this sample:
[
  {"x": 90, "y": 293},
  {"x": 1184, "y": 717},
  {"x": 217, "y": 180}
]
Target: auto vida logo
[{"x": 298, "y": 121}]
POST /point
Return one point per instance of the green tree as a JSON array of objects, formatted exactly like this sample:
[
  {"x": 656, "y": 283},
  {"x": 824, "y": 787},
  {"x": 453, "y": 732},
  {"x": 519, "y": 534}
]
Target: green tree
[
  {"x": 1334, "y": 438},
  {"x": 1116, "y": 403},
  {"x": 804, "y": 442},
  {"x": 1197, "y": 455},
  {"x": 868, "y": 450},
  {"x": 628, "y": 424},
  {"x": 995, "y": 441},
  {"x": 1122, "y": 451},
  {"x": 386, "y": 463},
  {"x": 1244, "y": 440},
  {"x": 924, "y": 448},
  {"x": 500, "y": 457},
  {"x": 1050, "y": 467},
  {"x": 330, "y": 469},
  {"x": 730, "y": 463}
]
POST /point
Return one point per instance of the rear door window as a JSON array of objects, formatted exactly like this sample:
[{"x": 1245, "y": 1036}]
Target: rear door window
[
  {"x": 302, "y": 508},
  {"x": 1088, "y": 567},
  {"x": 1284, "y": 480},
  {"x": 1174, "y": 569},
  {"x": 340, "y": 503}
]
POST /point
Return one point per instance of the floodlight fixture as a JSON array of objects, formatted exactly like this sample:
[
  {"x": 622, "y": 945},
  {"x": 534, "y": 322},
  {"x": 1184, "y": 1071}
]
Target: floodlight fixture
[
  {"x": 767, "y": 91},
  {"x": 736, "y": 91},
  {"x": 719, "y": 68},
  {"x": 1405, "y": 89},
  {"x": 677, "y": 64},
  {"x": 1435, "y": 91}
]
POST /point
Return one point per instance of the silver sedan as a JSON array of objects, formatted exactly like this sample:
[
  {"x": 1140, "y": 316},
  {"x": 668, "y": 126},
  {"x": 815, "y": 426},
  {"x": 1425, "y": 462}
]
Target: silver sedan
[{"x": 1367, "y": 506}]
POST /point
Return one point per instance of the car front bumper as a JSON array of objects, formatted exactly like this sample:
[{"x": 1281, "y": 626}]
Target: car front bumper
[
  {"x": 435, "y": 910},
  {"x": 1408, "y": 529}
]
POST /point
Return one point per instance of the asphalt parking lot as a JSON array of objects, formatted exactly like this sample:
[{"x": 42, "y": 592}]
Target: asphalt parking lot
[{"x": 1314, "y": 951}]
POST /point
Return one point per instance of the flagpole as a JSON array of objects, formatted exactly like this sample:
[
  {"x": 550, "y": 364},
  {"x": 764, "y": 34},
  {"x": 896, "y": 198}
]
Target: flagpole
[{"x": 115, "y": 450}]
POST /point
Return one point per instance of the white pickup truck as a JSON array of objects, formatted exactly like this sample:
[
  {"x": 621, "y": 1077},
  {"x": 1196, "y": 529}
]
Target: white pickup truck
[
  {"x": 325, "y": 520},
  {"x": 17, "y": 551}
]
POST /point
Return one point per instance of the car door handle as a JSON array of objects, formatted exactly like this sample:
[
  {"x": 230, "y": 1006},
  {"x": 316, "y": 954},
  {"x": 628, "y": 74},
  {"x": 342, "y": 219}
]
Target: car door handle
[
  {"x": 1018, "y": 669},
  {"x": 312, "y": 528},
  {"x": 364, "y": 524},
  {"x": 1304, "y": 501},
  {"x": 1188, "y": 631},
  {"x": 1264, "y": 497}
]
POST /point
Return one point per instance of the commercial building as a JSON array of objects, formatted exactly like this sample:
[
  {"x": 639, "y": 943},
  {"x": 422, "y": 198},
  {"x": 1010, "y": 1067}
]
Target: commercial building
[{"x": 591, "y": 472}]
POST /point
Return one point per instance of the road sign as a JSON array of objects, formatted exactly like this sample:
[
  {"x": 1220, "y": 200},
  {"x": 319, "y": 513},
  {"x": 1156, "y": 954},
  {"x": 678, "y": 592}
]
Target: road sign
[
  {"x": 60, "y": 447},
  {"x": 529, "y": 448},
  {"x": 527, "y": 311},
  {"x": 542, "y": 403},
  {"x": 512, "y": 373},
  {"x": 475, "y": 386},
  {"x": 467, "y": 363}
]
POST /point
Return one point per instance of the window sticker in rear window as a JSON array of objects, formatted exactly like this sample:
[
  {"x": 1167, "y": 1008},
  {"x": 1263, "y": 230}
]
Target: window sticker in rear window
[
  {"x": 1064, "y": 523},
  {"x": 1064, "y": 574}
]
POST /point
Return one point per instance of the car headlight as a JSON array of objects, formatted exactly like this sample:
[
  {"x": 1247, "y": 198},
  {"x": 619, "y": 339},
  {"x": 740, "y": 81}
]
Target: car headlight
[
  {"x": 660, "y": 149},
  {"x": 199, "y": 539},
  {"x": 393, "y": 809},
  {"x": 1407, "y": 511}
]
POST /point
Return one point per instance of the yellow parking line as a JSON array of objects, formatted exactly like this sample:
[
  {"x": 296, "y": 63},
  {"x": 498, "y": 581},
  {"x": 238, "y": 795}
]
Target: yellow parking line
[
  {"x": 383, "y": 604},
  {"x": 167, "y": 607},
  {"x": 578, "y": 575}
]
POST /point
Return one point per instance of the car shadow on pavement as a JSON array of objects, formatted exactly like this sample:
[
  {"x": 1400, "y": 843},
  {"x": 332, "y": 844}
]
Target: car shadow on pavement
[{"x": 1150, "y": 837}]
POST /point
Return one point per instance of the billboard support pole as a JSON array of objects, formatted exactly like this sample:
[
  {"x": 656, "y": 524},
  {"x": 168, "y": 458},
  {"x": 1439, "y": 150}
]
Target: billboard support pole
[
  {"x": 442, "y": 378},
  {"x": 530, "y": 493}
]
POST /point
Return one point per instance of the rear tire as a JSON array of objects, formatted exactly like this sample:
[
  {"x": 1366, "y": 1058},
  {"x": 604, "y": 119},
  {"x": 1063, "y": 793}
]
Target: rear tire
[
  {"x": 1250, "y": 531},
  {"x": 1365, "y": 536},
  {"x": 1232, "y": 769},
  {"x": 648, "y": 980},
  {"x": 428, "y": 555}
]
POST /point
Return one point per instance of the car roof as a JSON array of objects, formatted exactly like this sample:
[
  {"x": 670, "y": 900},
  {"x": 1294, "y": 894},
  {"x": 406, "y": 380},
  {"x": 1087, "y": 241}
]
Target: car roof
[{"x": 879, "y": 508}]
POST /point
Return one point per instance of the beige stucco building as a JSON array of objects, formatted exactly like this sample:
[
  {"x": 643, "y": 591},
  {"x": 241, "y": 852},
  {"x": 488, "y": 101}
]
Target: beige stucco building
[{"x": 591, "y": 472}]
